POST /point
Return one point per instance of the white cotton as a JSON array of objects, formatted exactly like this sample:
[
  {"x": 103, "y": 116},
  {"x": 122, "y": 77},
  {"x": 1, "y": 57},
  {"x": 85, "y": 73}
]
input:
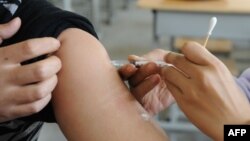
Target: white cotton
[{"x": 145, "y": 116}]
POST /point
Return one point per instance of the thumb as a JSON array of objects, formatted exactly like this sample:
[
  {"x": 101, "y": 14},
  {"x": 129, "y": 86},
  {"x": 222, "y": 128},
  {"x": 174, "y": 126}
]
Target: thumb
[
  {"x": 197, "y": 53},
  {"x": 133, "y": 58},
  {"x": 9, "y": 29}
]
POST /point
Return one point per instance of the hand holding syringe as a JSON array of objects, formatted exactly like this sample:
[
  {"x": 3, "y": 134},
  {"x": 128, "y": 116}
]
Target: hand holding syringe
[{"x": 141, "y": 61}]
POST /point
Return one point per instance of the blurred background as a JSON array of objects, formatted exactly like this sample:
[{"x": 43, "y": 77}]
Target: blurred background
[{"x": 137, "y": 26}]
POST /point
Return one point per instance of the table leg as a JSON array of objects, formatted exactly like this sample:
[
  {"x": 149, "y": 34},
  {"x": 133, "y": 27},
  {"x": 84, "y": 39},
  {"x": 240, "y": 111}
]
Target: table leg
[
  {"x": 95, "y": 13},
  {"x": 155, "y": 36},
  {"x": 171, "y": 43},
  {"x": 67, "y": 5},
  {"x": 110, "y": 11},
  {"x": 125, "y": 4}
]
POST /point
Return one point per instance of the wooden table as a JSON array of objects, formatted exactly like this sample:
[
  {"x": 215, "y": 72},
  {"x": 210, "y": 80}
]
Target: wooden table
[{"x": 191, "y": 18}]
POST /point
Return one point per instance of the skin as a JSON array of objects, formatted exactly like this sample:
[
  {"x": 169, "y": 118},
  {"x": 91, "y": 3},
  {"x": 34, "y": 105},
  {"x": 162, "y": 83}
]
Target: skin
[
  {"x": 90, "y": 101},
  {"x": 203, "y": 88},
  {"x": 25, "y": 90},
  {"x": 146, "y": 83},
  {"x": 216, "y": 99},
  {"x": 208, "y": 80},
  {"x": 84, "y": 103}
]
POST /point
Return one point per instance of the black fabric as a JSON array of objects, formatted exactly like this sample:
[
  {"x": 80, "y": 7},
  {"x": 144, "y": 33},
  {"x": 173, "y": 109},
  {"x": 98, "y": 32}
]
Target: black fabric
[
  {"x": 18, "y": 130},
  {"x": 39, "y": 19},
  {"x": 5, "y": 13}
]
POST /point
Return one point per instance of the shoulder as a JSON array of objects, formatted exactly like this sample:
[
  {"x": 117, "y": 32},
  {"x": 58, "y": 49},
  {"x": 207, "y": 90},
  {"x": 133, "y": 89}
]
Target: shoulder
[
  {"x": 82, "y": 41},
  {"x": 42, "y": 19}
]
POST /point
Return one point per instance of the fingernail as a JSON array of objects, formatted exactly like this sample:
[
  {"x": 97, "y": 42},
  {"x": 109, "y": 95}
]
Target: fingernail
[
  {"x": 58, "y": 43},
  {"x": 129, "y": 68},
  {"x": 155, "y": 79},
  {"x": 135, "y": 58},
  {"x": 17, "y": 21},
  {"x": 151, "y": 65},
  {"x": 166, "y": 57}
]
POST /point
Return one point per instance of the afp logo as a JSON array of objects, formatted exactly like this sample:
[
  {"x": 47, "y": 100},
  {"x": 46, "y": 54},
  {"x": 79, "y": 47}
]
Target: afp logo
[{"x": 236, "y": 132}]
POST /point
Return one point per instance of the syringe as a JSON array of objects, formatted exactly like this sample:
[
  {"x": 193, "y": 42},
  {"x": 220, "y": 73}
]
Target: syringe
[{"x": 120, "y": 63}]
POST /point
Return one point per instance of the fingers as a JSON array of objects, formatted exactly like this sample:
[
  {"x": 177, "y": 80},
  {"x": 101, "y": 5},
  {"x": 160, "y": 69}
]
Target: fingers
[
  {"x": 144, "y": 87},
  {"x": 197, "y": 54},
  {"x": 132, "y": 58},
  {"x": 30, "y": 49},
  {"x": 179, "y": 61},
  {"x": 175, "y": 91},
  {"x": 175, "y": 77},
  {"x": 35, "y": 92},
  {"x": 36, "y": 72},
  {"x": 156, "y": 54},
  {"x": 127, "y": 71},
  {"x": 31, "y": 108},
  {"x": 144, "y": 72},
  {"x": 9, "y": 29}
]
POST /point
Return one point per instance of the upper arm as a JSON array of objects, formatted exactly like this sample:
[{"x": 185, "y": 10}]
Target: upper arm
[{"x": 91, "y": 102}]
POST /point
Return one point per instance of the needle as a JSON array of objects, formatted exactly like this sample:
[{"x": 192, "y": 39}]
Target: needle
[
  {"x": 120, "y": 63},
  {"x": 213, "y": 22}
]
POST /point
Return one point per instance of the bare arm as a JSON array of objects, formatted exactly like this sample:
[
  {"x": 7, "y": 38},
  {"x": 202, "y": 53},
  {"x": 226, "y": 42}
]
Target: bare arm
[{"x": 91, "y": 102}]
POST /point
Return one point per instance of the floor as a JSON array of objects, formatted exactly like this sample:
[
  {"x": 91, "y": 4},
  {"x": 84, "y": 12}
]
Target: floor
[{"x": 131, "y": 33}]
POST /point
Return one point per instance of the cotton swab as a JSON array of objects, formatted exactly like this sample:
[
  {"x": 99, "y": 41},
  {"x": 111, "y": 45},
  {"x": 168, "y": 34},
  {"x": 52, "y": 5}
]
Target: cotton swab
[{"x": 212, "y": 24}]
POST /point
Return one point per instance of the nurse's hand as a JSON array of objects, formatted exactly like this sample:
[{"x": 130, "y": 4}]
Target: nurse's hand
[
  {"x": 146, "y": 84},
  {"x": 209, "y": 95}
]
